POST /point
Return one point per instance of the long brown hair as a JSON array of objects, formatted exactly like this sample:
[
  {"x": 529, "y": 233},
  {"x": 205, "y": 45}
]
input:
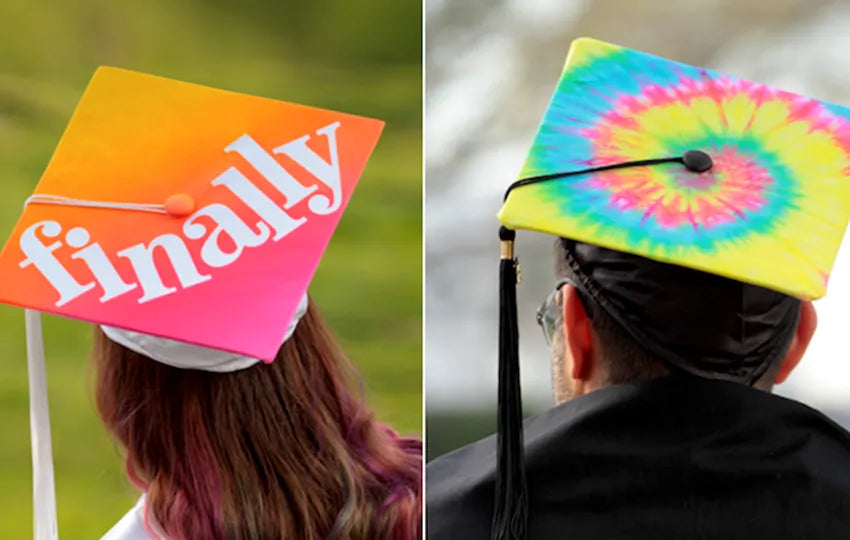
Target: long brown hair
[{"x": 280, "y": 450}]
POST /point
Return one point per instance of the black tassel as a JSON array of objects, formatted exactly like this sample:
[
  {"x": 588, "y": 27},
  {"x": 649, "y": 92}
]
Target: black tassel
[{"x": 510, "y": 515}]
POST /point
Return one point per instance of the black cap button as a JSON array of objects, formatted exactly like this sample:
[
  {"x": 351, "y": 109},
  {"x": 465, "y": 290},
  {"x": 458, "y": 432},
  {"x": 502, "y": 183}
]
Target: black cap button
[{"x": 697, "y": 161}]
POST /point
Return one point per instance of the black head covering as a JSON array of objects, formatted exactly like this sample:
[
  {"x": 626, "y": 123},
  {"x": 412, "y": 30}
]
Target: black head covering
[{"x": 707, "y": 325}]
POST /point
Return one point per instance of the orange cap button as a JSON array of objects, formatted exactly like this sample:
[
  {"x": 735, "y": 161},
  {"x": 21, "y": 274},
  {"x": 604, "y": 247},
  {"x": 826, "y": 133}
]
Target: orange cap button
[{"x": 179, "y": 205}]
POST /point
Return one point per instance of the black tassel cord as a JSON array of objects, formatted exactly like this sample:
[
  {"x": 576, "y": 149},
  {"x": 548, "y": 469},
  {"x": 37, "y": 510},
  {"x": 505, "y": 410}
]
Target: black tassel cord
[
  {"x": 510, "y": 515},
  {"x": 694, "y": 160}
]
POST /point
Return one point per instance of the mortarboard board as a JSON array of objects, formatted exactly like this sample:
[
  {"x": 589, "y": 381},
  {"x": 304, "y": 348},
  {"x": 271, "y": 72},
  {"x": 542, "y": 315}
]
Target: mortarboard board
[
  {"x": 176, "y": 215},
  {"x": 657, "y": 165}
]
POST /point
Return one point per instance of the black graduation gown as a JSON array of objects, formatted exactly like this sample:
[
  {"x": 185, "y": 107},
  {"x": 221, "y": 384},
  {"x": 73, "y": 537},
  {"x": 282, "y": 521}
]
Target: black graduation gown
[{"x": 677, "y": 457}]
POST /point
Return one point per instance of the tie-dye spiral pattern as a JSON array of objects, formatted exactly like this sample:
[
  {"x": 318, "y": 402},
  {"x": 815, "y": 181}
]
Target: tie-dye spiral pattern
[{"x": 772, "y": 210}]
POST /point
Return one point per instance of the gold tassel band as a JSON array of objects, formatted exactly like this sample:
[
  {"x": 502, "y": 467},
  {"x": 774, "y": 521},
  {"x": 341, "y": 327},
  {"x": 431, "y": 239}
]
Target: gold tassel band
[{"x": 507, "y": 249}]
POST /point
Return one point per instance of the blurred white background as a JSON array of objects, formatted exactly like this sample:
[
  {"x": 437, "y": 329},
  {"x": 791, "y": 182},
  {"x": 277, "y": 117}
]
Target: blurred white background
[{"x": 491, "y": 66}]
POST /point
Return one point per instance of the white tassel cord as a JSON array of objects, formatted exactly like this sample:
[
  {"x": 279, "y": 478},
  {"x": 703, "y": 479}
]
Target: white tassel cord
[
  {"x": 44, "y": 491},
  {"x": 68, "y": 201}
]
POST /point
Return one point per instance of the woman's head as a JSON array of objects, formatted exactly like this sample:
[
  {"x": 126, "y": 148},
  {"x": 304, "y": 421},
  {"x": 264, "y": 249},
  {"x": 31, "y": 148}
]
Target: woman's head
[{"x": 284, "y": 450}]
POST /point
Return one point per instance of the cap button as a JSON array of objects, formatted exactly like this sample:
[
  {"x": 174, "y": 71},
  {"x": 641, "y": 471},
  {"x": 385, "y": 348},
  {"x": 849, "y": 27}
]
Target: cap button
[
  {"x": 697, "y": 161},
  {"x": 179, "y": 205}
]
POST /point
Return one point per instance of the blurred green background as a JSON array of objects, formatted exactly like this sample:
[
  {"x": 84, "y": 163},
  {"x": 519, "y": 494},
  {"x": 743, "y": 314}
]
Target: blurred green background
[{"x": 359, "y": 57}]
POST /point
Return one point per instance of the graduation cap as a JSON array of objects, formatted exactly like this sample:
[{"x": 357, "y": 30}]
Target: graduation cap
[
  {"x": 187, "y": 221},
  {"x": 673, "y": 185}
]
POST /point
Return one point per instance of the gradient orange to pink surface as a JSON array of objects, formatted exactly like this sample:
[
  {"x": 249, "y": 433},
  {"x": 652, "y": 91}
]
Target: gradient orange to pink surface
[{"x": 137, "y": 138}]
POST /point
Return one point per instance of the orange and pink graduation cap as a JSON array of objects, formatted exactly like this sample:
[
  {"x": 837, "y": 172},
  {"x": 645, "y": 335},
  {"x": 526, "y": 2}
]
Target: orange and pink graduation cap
[{"x": 178, "y": 211}]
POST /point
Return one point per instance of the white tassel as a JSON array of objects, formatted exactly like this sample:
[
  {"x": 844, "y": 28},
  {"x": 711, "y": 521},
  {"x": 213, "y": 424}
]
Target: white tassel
[{"x": 44, "y": 491}]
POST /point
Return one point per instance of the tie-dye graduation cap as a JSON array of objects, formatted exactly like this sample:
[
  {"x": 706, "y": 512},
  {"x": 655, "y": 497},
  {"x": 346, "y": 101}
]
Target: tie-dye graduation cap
[
  {"x": 171, "y": 214},
  {"x": 665, "y": 179}
]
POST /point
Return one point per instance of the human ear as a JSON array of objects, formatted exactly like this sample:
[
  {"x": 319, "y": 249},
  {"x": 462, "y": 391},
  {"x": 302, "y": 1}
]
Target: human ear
[
  {"x": 802, "y": 337},
  {"x": 578, "y": 337}
]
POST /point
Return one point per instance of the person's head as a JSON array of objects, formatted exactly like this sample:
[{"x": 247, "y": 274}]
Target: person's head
[
  {"x": 280, "y": 450},
  {"x": 591, "y": 349}
]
